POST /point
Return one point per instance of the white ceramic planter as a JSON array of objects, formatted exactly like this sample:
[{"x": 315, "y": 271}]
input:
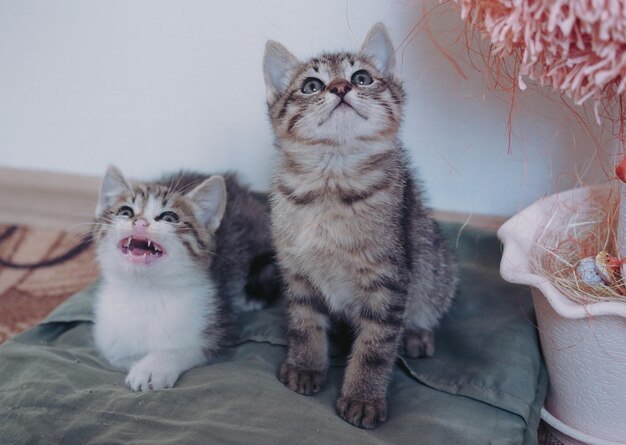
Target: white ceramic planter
[{"x": 584, "y": 346}]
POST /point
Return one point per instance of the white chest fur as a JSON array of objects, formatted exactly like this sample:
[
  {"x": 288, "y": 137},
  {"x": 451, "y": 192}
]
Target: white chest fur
[{"x": 134, "y": 318}]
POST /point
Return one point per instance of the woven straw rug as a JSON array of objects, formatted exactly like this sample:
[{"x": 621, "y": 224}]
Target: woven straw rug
[{"x": 39, "y": 269}]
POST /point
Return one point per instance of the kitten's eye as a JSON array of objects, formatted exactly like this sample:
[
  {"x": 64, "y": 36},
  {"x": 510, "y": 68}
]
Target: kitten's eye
[
  {"x": 361, "y": 77},
  {"x": 170, "y": 217},
  {"x": 126, "y": 212},
  {"x": 312, "y": 85}
]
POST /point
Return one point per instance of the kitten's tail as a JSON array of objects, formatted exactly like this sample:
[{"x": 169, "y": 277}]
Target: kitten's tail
[{"x": 263, "y": 284}]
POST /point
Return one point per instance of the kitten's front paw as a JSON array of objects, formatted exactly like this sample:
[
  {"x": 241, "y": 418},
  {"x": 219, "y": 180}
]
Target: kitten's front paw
[
  {"x": 362, "y": 413},
  {"x": 419, "y": 343},
  {"x": 144, "y": 376},
  {"x": 303, "y": 381}
]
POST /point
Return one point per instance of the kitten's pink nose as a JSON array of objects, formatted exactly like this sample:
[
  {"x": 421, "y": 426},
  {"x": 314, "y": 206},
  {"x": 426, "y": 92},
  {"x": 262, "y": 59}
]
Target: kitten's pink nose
[
  {"x": 141, "y": 223},
  {"x": 340, "y": 87}
]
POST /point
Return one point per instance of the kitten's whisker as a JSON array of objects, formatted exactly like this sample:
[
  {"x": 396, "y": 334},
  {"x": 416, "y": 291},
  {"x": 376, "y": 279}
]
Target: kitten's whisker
[
  {"x": 171, "y": 189},
  {"x": 168, "y": 190}
]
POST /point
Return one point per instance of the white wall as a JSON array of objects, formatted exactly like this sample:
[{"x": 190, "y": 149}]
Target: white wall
[{"x": 154, "y": 85}]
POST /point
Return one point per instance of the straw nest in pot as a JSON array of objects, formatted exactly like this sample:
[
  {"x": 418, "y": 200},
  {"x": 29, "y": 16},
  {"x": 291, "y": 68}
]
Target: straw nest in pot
[{"x": 562, "y": 245}]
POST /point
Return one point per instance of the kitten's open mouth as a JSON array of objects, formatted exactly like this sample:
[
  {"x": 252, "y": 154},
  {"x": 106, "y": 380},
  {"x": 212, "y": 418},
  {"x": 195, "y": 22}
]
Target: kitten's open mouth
[{"x": 140, "y": 250}]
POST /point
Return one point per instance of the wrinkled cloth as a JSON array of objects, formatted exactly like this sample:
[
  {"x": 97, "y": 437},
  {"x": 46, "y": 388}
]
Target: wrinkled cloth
[{"x": 484, "y": 384}]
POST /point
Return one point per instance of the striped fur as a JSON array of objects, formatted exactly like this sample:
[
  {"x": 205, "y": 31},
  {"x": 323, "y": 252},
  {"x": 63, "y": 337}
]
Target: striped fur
[
  {"x": 159, "y": 319},
  {"x": 353, "y": 238}
]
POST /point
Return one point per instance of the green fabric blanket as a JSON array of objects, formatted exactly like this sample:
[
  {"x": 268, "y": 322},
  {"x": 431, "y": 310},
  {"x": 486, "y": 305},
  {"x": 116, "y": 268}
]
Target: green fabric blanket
[{"x": 484, "y": 385}]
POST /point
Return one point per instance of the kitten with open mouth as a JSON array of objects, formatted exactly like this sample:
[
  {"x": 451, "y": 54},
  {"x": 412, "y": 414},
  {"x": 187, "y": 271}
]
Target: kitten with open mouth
[
  {"x": 177, "y": 257},
  {"x": 140, "y": 250}
]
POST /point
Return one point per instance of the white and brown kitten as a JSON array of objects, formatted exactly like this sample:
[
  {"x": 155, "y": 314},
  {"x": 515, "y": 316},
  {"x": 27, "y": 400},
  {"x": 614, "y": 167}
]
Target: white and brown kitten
[
  {"x": 352, "y": 236},
  {"x": 175, "y": 256}
]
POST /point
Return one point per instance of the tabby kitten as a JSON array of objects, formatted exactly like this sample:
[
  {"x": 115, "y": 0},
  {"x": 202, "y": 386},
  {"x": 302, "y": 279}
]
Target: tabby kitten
[
  {"x": 175, "y": 257},
  {"x": 353, "y": 238}
]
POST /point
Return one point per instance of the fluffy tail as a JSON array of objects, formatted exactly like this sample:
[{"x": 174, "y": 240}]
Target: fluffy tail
[{"x": 263, "y": 284}]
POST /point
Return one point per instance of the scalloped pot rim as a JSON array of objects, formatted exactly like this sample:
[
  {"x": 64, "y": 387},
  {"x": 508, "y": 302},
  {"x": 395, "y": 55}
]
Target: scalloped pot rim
[{"x": 518, "y": 236}]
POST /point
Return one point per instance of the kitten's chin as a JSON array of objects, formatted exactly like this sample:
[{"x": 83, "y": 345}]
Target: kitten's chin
[{"x": 140, "y": 251}]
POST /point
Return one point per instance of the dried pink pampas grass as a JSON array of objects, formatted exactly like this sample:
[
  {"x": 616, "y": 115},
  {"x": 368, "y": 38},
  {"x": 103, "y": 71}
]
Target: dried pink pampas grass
[{"x": 575, "y": 46}]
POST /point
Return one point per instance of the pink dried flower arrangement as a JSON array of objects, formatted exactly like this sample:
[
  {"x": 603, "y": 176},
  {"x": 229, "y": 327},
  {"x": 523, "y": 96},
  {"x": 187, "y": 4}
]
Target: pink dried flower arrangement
[{"x": 575, "y": 46}]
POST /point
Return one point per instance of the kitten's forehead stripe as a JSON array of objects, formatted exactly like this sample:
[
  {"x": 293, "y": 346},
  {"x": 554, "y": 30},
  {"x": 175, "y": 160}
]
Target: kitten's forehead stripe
[{"x": 336, "y": 64}]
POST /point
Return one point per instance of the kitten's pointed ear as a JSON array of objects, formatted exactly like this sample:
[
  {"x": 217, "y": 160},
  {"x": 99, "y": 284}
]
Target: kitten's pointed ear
[
  {"x": 278, "y": 64},
  {"x": 378, "y": 47},
  {"x": 210, "y": 200},
  {"x": 113, "y": 185}
]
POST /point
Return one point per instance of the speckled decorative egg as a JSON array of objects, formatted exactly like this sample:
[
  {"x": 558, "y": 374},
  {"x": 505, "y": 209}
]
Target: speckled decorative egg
[{"x": 586, "y": 271}]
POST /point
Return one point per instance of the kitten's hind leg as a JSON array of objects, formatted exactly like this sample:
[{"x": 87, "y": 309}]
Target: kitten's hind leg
[
  {"x": 419, "y": 343},
  {"x": 418, "y": 339},
  {"x": 425, "y": 308},
  {"x": 304, "y": 369}
]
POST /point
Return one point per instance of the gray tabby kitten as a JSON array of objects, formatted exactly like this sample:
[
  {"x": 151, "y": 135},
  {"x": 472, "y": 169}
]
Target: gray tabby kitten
[
  {"x": 175, "y": 256},
  {"x": 352, "y": 236}
]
